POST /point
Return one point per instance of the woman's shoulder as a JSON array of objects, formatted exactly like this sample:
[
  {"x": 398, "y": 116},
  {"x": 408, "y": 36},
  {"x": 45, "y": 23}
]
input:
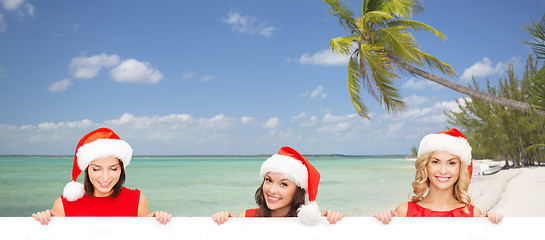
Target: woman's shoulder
[
  {"x": 476, "y": 211},
  {"x": 401, "y": 210}
]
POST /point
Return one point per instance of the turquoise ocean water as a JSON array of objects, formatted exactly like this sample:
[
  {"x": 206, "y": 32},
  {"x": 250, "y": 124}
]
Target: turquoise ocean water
[{"x": 201, "y": 186}]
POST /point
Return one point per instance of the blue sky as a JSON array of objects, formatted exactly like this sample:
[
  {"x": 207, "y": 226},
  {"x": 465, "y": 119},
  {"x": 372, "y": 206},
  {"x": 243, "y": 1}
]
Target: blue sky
[{"x": 227, "y": 77}]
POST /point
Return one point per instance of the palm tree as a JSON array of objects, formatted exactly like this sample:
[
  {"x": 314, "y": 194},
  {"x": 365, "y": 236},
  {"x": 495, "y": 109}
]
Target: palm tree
[
  {"x": 537, "y": 32},
  {"x": 380, "y": 46}
]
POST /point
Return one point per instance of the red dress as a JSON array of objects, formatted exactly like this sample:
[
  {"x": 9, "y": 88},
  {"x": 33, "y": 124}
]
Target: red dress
[
  {"x": 251, "y": 213},
  {"x": 124, "y": 205},
  {"x": 415, "y": 210}
]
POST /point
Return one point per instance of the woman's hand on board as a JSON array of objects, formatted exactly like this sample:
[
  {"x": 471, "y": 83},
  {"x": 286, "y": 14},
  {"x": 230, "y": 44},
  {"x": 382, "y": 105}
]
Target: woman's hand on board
[
  {"x": 222, "y": 217},
  {"x": 493, "y": 217},
  {"x": 332, "y": 217},
  {"x": 385, "y": 217},
  {"x": 161, "y": 217},
  {"x": 44, "y": 217}
]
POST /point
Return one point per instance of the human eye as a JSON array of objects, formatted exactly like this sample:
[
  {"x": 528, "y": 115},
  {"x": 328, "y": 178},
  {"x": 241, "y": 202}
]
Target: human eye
[
  {"x": 268, "y": 179},
  {"x": 114, "y": 168},
  {"x": 452, "y": 163},
  {"x": 283, "y": 184},
  {"x": 95, "y": 169},
  {"x": 435, "y": 162}
]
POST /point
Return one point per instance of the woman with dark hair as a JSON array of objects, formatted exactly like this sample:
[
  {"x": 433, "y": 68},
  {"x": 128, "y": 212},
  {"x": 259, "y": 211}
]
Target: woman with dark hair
[
  {"x": 102, "y": 155},
  {"x": 287, "y": 178}
]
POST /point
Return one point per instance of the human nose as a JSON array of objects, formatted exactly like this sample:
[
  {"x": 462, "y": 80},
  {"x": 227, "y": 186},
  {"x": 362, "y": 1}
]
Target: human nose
[
  {"x": 274, "y": 188},
  {"x": 104, "y": 175},
  {"x": 443, "y": 168}
]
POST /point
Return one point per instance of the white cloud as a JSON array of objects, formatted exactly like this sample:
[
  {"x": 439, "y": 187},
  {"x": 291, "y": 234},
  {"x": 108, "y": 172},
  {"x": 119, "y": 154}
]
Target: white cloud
[
  {"x": 415, "y": 100},
  {"x": 3, "y": 72},
  {"x": 318, "y": 93},
  {"x": 207, "y": 78},
  {"x": 188, "y": 75},
  {"x": 246, "y": 120},
  {"x": 394, "y": 129},
  {"x": 12, "y": 5},
  {"x": 60, "y": 86},
  {"x": 217, "y": 122},
  {"x": 324, "y": 58},
  {"x": 134, "y": 71},
  {"x": 305, "y": 120},
  {"x": 484, "y": 68},
  {"x": 420, "y": 85},
  {"x": 272, "y": 123},
  {"x": 246, "y": 24},
  {"x": 17, "y": 6},
  {"x": 3, "y": 25},
  {"x": 89, "y": 67}
]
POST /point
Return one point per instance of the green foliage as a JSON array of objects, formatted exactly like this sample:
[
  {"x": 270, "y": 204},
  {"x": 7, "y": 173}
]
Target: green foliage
[
  {"x": 414, "y": 151},
  {"x": 380, "y": 34},
  {"x": 537, "y": 89},
  {"x": 498, "y": 132}
]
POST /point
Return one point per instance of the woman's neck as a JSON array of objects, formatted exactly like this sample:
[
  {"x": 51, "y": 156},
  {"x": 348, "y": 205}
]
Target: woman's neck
[
  {"x": 440, "y": 200},
  {"x": 280, "y": 212},
  {"x": 101, "y": 194}
]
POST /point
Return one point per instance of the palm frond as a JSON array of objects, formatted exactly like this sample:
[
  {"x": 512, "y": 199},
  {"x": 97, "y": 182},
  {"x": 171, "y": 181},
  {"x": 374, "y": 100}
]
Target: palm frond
[
  {"x": 342, "y": 45},
  {"x": 380, "y": 84},
  {"x": 435, "y": 63},
  {"x": 401, "y": 8},
  {"x": 376, "y": 16},
  {"x": 370, "y": 5},
  {"x": 417, "y": 26},
  {"x": 343, "y": 12},
  {"x": 353, "y": 77},
  {"x": 537, "y": 32},
  {"x": 530, "y": 148},
  {"x": 399, "y": 42}
]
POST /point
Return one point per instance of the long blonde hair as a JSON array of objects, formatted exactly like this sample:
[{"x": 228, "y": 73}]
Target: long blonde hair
[{"x": 421, "y": 182}]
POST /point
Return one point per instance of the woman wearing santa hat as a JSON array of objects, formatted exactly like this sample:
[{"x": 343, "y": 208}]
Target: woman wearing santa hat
[
  {"x": 287, "y": 178},
  {"x": 443, "y": 168},
  {"x": 103, "y": 156}
]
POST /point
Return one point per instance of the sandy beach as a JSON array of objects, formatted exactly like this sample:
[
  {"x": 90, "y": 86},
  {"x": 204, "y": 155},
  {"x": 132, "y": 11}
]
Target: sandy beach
[{"x": 513, "y": 192}]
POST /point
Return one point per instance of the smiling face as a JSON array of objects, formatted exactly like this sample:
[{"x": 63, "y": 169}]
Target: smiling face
[
  {"x": 104, "y": 173},
  {"x": 443, "y": 170},
  {"x": 278, "y": 192}
]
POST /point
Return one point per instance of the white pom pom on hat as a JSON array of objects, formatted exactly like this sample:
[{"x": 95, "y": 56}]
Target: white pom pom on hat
[
  {"x": 296, "y": 168},
  {"x": 102, "y": 142}
]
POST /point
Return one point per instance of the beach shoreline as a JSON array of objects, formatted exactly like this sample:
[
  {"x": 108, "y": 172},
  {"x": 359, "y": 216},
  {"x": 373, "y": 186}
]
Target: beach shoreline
[{"x": 516, "y": 192}]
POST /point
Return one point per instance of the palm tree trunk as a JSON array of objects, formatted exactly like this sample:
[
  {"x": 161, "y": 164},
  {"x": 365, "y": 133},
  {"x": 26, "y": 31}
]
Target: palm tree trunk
[{"x": 522, "y": 106}]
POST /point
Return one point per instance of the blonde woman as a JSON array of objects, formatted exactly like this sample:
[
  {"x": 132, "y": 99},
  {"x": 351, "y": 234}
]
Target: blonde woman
[{"x": 443, "y": 173}]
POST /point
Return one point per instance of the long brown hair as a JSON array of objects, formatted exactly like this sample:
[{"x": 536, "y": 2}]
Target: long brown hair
[
  {"x": 297, "y": 201},
  {"x": 90, "y": 189},
  {"x": 421, "y": 182}
]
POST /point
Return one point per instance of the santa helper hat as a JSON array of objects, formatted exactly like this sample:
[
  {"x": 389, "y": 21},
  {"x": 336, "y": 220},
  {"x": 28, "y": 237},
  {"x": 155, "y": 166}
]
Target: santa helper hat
[
  {"x": 99, "y": 143},
  {"x": 296, "y": 168},
  {"x": 451, "y": 141}
]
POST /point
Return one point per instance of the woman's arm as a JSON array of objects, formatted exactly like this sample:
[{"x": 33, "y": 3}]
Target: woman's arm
[
  {"x": 58, "y": 208},
  {"x": 143, "y": 210}
]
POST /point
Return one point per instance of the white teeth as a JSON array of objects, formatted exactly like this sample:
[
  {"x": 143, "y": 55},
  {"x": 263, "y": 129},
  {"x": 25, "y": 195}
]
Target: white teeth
[
  {"x": 442, "y": 179},
  {"x": 273, "y": 198}
]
